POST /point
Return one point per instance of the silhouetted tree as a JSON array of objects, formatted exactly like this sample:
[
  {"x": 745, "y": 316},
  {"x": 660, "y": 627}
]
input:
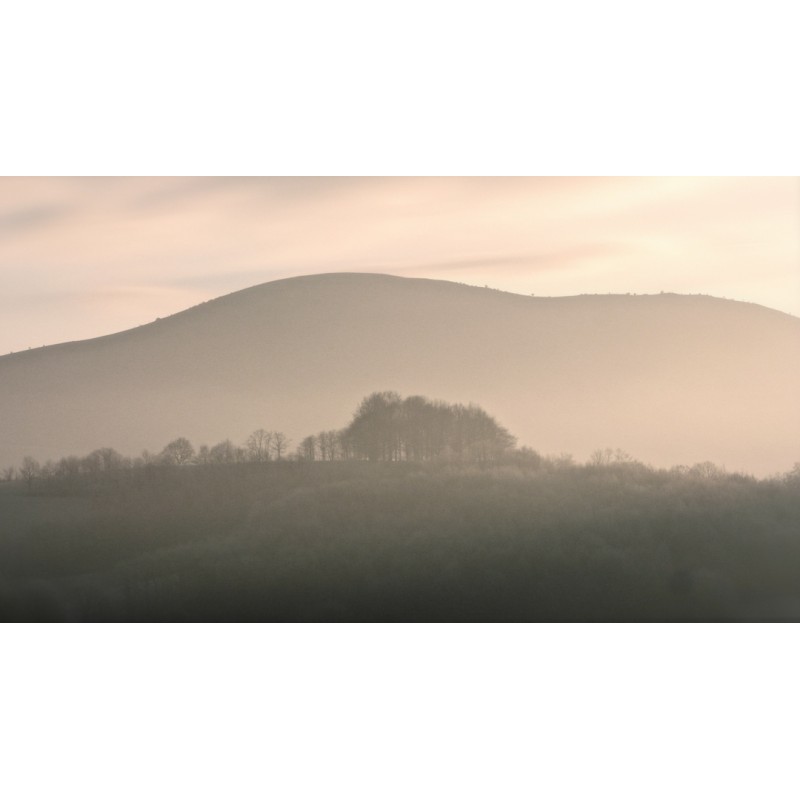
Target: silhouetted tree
[
  {"x": 329, "y": 443},
  {"x": 109, "y": 459},
  {"x": 29, "y": 469},
  {"x": 373, "y": 431},
  {"x": 179, "y": 451},
  {"x": 280, "y": 444},
  {"x": 259, "y": 445},
  {"x": 69, "y": 468},
  {"x": 706, "y": 469},
  {"x": 223, "y": 453},
  {"x": 307, "y": 450},
  {"x": 601, "y": 457}
]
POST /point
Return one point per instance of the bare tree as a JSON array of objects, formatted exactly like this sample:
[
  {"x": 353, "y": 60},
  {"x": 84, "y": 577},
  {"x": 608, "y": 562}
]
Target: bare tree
[
  {"x": 280, "y": 443},
  {"x": 9, "y": 473},
  {"x": 223, "y": 453},
  {"x": 707, "y": 469},
  {"x": 92, "y": 464},
  {"x": 68, "y": 467},
  {"x": 307, "y": 450},
  {"x": 111, "y": 459},
  {"x": 259, "y": 445},
  {"x": 601, "y": 457},
  {"x": 29, "y": 470},
  {"x": 793, "y": 476},
  {"x": 329, "y": 449},
  {"x": 178, "y": 451},
  {"x": 105, "y": 459},
  {"x": 622, "y": 457}
]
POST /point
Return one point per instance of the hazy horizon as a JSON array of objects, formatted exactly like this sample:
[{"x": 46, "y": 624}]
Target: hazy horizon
[
  {"x": 668, "y": 378},
  {"x": 86, "y": 257}
]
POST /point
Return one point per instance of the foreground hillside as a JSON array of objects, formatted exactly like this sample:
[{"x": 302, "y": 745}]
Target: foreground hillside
[
  {"x": 528, "y": 540},
  {"x": 670, "y": 379}
]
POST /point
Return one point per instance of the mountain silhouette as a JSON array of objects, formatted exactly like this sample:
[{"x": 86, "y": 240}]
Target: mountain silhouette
[{"x": 668, "y": 378}]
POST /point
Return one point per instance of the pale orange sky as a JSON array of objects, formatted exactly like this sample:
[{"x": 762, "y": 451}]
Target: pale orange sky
[{"x": 82, "y": 257}]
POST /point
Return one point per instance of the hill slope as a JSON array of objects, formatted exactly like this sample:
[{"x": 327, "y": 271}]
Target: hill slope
[{"x": 669, "y": 378}]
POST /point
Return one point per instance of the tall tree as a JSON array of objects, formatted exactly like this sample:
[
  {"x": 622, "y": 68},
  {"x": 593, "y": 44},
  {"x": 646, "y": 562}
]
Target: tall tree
[
  {"x": 280, "y": 444},
  {"x": 29, "y": 469},
  {"x": 307, "y": 449},
  {"x": 259, "y": 445}
]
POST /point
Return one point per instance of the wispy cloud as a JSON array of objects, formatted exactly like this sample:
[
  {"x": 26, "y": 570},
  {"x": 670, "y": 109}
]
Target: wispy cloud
[
  {"x": 30, "y": 218},
  {"x": 200, "y": 237},
  {"x": 526, "y": 262}
]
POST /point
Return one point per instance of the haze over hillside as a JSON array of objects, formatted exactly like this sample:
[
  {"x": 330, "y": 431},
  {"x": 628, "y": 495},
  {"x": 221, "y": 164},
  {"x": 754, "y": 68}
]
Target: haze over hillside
[{"x": 668, "y": 378}]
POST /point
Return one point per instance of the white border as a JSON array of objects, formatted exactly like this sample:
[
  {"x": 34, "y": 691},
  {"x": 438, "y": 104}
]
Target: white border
[{"x": 432, "y": 88}]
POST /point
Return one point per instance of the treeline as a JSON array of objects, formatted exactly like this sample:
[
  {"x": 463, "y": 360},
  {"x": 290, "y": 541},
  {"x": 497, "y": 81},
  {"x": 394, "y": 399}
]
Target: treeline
[
  {"x": 385, "y": 427},
  {"x": 260, "y": 446}
]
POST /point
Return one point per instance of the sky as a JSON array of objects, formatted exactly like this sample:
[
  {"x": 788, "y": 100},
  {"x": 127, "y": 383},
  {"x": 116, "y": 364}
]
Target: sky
[{"x": 83, "y": 257}]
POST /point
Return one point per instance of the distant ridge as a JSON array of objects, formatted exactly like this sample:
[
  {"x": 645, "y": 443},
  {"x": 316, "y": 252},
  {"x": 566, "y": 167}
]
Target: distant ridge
[{"x": 669, "y": 378}]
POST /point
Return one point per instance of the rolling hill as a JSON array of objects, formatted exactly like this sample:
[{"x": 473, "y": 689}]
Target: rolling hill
[{"x": 668, "y": 378}]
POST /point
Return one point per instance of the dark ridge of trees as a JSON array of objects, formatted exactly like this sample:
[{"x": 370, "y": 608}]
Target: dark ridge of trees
[
  {"x": 107, "y": 463},
  {"x": 524, "y": 540}
]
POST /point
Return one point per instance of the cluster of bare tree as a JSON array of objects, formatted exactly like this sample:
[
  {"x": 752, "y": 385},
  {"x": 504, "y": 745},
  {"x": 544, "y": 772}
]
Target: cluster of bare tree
[
  {"x": 260, "y": 446},
  {"x": 99, "y": 461},
  {"x": 387, "y": 427}
]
